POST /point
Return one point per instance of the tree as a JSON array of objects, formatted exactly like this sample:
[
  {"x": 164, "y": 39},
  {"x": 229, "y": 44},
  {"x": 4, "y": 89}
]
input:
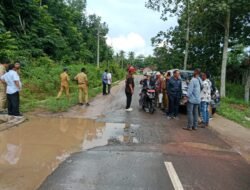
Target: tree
[
  {"x": 59, "y": 29},
  {"x": 122, "y": 57},
  {"x": 176, "y": 7},
  {"x": 214, "y": 28},
  {"x": 131, "y": 57},
  {"x": 224, "y": 13}
]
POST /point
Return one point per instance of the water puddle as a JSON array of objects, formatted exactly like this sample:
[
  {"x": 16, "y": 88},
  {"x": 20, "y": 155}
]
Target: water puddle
[{"x": 30, "y": 152}]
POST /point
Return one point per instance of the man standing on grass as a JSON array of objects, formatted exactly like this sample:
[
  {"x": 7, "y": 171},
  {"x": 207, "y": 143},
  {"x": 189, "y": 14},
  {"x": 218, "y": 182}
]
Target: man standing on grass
[
  {"x": 64, "y": 83},
  {"x": 205, "y": 99},
  {"x": 82, "y": 81},
  {"x": 3, "y": 97},
  {"x": 174, "y": 90},
  {"x": 194, "y": 100},
  {"x": 109, "y": 78},
  {"x": 14, "y": 85},
  {"x": 104, "y": 82}
]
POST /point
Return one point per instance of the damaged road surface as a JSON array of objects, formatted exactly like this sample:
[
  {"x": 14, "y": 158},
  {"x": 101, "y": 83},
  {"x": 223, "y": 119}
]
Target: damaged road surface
[{"x": 102, "y": 147}]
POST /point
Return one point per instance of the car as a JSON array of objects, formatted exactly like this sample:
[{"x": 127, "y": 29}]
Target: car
[{"x": 186, "y": 76}]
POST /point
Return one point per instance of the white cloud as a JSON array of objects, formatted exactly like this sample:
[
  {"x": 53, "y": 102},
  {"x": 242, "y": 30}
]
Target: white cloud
[{"x": 130, "y": 42}]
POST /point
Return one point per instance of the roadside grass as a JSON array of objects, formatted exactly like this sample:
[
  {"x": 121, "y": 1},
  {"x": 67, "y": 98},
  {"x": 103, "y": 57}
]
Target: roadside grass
[
  {"x": 233, "y": 107},
  {"x": 41, "y": 84},
  {"x": 51, "y": 104}
]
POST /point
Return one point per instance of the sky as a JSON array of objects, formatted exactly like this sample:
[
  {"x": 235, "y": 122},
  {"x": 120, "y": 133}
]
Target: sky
[{"x": 131, "y": 24}]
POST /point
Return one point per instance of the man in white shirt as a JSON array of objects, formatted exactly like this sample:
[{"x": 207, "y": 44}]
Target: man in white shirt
[
  {"x": 109, "y": 77},
  {"x": 205, "y": 99},
  {"x": 14, "y": 85}
]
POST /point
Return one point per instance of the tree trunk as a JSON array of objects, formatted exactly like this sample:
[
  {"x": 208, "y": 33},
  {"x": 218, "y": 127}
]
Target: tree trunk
[
  {"x": 98, "y": 49},
  {"x": 247, "y": 87},
  {"x": 22, "y": 23},
  {"x": 225, "y": 55},
  {"x": 187, "y": 37}
]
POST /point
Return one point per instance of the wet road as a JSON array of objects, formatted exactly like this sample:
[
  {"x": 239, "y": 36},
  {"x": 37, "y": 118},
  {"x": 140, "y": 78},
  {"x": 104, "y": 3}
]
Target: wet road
[{"x": 116, "y": 150}]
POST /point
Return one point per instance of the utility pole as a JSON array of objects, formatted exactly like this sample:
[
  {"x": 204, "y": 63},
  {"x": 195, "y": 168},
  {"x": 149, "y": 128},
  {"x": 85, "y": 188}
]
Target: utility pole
[
  {"x": 98, "y": 48},
  {"x": 187, "y": 37}
]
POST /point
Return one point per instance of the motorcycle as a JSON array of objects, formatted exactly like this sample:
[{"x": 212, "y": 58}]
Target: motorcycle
[{"x": 147, "y": 100}]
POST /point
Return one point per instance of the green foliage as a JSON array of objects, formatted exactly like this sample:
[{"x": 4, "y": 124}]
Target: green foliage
[
  {"x": 58, "y": 29},
  {"x": 234, "y": 107},
  {"x": 207, "y": 30},
  {"x": 41, "y": 84},
  {"x": 235, "y": 110}
]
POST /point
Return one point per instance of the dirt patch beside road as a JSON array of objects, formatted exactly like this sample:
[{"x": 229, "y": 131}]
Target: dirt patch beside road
[{"x": 234, "y": 134}]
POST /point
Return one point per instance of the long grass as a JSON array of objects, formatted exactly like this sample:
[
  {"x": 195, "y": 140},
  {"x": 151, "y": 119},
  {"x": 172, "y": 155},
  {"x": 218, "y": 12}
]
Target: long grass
[
  {"x": 41, "y": 85},
  {"x": 234, "y": 107}
]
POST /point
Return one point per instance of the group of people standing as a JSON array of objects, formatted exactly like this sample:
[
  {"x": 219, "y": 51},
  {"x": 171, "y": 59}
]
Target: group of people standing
[
  {"x": 169, "y": 93},
  {"x": 10, "y": 87},
  {"x": 82, "y": 82},
  {"x": 197, "y": 99}
]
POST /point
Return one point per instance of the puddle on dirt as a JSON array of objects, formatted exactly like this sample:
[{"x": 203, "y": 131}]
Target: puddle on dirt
[{"x": 30, "y": 152}]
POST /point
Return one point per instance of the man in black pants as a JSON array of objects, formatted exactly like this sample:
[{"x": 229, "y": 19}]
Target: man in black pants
[
  {"x": 104, "y": 82},
  {"x": 174, "y": 90},
  {"x": 13, "y": 82},
  {"x": 129, "y": 88}
]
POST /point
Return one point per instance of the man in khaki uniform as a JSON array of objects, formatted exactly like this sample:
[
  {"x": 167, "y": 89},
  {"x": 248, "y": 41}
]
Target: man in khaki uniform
[
  {"x": 64, "y": 83},
  {"x": 82, "y": 80},
  {"x": 3, "y": 97}
]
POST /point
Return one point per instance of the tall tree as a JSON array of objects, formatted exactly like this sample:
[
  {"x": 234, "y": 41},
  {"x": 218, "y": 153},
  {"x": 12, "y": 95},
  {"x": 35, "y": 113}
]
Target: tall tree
[{"x": 177, "y": 8}]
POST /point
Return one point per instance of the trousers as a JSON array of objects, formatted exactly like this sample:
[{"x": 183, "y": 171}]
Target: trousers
[
  {"x": 3, "y": 97},
  {"x": 63, "y": 88},
  {"x": 83, "y": 93},
  {"x": 13, "y": 104}
]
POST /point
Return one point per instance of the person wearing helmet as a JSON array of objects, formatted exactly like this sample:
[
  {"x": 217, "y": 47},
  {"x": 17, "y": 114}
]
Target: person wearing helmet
[
  {"x": 129, "y": 88},
  {"x": 64, "y": 77}
]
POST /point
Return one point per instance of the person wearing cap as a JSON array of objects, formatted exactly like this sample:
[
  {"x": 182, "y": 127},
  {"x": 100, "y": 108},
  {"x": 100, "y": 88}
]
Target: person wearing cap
[
  {"x": 64, "y": 77},
  {"x": 3, "y": 97},
  {"x": 129, "y": 88},
  {"x": 82, "y": 81}
]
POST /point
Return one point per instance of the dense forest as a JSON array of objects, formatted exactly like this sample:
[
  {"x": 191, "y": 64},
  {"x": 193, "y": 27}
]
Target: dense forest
[
  {"x": 58, "y": 29},
  {"x": 48, "y": 35}
]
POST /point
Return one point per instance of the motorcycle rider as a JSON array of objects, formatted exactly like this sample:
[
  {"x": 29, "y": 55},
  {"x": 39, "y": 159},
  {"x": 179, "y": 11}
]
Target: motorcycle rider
[{"x": 147, "y": 83}]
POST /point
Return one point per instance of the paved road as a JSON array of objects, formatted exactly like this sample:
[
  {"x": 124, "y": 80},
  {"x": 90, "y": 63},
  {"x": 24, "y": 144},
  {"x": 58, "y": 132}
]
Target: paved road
[{"x": 136, "y": 161}]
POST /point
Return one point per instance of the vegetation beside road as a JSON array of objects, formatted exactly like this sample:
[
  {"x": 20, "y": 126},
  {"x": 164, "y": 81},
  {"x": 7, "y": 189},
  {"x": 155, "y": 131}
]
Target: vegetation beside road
[
  {"x": 234, "y": 107},
  {"x": 41, "y": 84}
]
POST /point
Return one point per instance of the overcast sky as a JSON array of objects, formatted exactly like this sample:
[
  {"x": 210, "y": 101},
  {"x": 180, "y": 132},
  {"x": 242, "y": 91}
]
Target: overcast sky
[{"x": 131, "y": 24}]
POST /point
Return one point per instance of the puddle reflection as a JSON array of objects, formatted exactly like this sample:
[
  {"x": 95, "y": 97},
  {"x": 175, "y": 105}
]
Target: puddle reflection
[{"x": 30, "y": 152}]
